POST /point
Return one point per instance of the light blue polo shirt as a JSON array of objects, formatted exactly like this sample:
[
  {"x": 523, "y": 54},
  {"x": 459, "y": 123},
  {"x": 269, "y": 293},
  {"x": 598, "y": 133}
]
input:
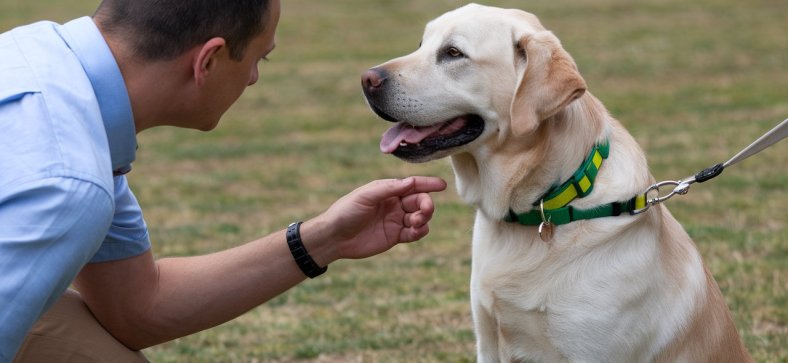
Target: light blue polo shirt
[{"x": 66, "y": 138}]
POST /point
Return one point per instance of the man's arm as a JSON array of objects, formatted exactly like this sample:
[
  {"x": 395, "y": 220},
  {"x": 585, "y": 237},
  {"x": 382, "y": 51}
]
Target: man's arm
[
  {"x": 144, "y": 302},
  {"x": 49, "y": 228}
]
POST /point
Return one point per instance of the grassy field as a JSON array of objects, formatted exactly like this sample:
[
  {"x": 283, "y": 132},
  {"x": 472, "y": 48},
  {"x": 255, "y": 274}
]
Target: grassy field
[{"x": 693, "y": 81}]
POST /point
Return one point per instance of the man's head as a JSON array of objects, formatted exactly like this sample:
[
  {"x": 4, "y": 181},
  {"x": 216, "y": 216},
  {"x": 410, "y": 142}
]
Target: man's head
[
  {"x": 165, "y": 29},
  {"x": 185, "y": 62}
]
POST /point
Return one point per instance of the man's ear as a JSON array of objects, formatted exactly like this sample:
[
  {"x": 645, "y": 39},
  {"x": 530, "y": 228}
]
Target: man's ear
[
  {"x": 549, "y": 83},
  {"x": 206, "y": 59}
]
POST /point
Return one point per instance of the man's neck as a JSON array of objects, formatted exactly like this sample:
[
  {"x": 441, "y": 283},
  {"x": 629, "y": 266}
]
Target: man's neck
[{"x": 156, "y": 89}]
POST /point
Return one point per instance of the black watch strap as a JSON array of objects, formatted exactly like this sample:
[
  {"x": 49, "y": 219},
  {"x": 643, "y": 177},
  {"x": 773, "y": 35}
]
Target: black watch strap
[{"x": 300, "y": 254}]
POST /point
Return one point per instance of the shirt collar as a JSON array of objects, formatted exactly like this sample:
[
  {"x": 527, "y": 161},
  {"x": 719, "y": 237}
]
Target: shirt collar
[{"x": 84, "y": 38}]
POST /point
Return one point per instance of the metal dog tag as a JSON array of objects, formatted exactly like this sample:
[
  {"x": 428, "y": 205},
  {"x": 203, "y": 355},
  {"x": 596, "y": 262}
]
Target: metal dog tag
[
  {"x": 546, "y": 231},
  {"x": 545, "y": 228}
]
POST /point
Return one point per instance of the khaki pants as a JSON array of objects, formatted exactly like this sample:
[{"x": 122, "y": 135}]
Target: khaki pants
[{"x": 69, "y": 333}]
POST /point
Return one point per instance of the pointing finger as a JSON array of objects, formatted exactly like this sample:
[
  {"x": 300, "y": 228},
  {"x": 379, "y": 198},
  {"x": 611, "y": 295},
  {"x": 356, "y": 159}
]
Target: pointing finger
[{"x": 382, "y": 189}]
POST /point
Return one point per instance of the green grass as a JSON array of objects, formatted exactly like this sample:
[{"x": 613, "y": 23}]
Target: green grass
[{"x": 693, "y": 81}]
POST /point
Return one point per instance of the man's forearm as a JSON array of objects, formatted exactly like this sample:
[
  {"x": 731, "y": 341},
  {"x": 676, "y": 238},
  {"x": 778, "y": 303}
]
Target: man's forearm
[{"x": 159, "y": 301}]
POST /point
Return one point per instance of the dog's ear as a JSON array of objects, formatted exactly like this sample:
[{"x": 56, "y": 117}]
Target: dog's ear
[{"x": 549, "y": 83}]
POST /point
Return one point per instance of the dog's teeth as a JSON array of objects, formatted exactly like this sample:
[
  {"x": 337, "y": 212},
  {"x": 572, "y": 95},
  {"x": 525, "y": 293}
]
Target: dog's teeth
[{"x": 403, "y": 144}]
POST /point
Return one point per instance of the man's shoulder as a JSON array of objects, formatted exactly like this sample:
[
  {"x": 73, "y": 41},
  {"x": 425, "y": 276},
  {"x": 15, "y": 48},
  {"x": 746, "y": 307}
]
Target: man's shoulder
[
  {"x": 48, "y": 108},
  {"x": 35, "y": 56},
  {"x": 33, "y": 30},
  {"x": 15, "y": 68},
  {"x": 42, "y": 36}
]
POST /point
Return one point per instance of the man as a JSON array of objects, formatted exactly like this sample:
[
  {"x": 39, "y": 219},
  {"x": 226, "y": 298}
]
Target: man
[{"x": 72, "y": 98}]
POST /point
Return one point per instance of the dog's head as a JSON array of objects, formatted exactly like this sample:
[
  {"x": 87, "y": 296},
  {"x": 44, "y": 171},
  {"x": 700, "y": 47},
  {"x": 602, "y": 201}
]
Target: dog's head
[{"x": 480, "y": 76}]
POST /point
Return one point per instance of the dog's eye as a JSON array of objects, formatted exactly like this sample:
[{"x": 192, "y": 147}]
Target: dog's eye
[{"x": 454, "y": 52}]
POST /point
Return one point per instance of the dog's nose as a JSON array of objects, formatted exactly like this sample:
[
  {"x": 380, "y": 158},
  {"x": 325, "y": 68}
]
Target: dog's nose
[{"x": 373, "y": 79}]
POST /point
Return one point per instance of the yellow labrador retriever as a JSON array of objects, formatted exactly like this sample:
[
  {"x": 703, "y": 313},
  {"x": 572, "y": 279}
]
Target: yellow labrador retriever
[{"x": 567, "y": 265}]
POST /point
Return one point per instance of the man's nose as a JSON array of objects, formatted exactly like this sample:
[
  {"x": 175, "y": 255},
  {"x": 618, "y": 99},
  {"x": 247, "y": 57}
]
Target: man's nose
[{"x": 254, "y": 76}]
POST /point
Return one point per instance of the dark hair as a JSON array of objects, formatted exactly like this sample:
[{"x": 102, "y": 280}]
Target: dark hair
[{"x": 165, "y": 29}]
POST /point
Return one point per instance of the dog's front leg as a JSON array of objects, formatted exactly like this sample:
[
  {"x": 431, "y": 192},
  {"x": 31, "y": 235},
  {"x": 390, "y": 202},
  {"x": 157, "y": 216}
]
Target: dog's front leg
[
  {"x": 486, "y": 337},
  {"x": 486, "y": 329}
]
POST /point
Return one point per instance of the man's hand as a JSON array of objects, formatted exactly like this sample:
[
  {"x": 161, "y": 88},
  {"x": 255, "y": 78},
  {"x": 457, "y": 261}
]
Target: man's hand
[{"x": 377, "y": 216}]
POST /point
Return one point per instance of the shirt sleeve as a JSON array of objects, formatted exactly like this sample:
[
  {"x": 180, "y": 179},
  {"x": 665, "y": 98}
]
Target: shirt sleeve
[
  {"x": 128, "y": 234},
  {"x": 49, "y": 228}
]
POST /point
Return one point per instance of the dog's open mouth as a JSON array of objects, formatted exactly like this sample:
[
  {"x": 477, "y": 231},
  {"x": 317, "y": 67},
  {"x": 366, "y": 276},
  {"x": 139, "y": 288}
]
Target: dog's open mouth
[{"x": 411, "y": 142}]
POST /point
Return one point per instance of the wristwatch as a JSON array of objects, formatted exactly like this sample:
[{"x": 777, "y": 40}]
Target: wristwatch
[{"x": 305, "y": 262}]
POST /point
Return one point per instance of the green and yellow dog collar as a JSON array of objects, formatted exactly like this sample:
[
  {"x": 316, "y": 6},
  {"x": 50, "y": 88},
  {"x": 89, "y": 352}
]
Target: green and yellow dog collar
[
  {"x": 555, "y": 202},
  {"x": 581, "y": 183}
]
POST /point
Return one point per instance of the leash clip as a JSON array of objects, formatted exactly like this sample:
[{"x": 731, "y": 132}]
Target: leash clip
[
  {"x": 653, "y": 196},
  {"x": 680, "y": 187}
]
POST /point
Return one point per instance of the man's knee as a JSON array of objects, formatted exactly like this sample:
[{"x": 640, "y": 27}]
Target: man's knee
[{"x": 69, "y": 332}]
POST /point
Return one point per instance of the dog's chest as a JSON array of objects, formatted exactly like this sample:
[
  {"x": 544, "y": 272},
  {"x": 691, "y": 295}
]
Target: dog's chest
[
  {"x": 512, "y": 291},
  {"x": 552, "y": 306},
  {"x": 531, "y": 317},
  {"x": 511, "y": 271},
  {"x": 519, "y": 318}
]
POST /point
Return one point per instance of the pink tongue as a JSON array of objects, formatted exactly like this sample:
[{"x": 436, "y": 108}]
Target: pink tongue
[{"x": 402, "y": 132}]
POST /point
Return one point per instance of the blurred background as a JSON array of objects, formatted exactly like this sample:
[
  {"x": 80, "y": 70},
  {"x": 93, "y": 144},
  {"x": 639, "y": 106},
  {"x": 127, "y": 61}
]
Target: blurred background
[{"x": 694, "y": 82}]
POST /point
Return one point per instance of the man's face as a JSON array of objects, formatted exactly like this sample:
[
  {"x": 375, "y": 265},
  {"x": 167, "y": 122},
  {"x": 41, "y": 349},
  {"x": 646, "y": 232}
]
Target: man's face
[{"x": 232, "y": 77}]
